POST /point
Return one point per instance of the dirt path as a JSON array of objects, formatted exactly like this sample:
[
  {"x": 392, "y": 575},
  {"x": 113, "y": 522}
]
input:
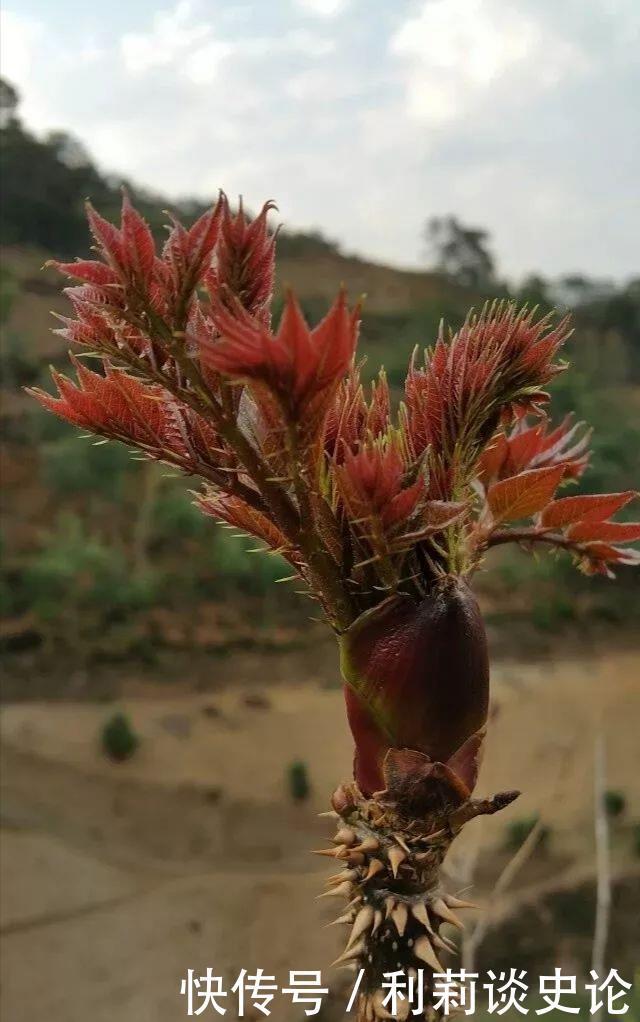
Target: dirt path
[{"x": 116, "y": 879}]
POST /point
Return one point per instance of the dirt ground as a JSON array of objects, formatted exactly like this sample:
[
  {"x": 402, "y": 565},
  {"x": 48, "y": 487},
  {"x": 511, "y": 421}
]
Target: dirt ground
[{"x": 118, "y": 878}]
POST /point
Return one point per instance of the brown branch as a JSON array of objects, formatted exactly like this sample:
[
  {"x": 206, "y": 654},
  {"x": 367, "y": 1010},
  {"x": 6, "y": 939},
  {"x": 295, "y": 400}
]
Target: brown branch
[
  {"x": 603, "y": 860},
  {"x": 528, "y": 535},
  {"x": 472, "y": 943},
  {"x": 514, "y": 865}
]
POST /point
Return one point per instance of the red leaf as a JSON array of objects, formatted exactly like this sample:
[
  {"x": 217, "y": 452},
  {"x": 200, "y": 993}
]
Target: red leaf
[
  {"x": 616, "y": 555},
  {"x": 234, "y": 511},
  {"x": 88, "y": 270},
  {"x": 524, "y": 444},
  {"x": 138, "y": 241},
  {"x": 302, "y": 367},
  {"x": 403, "y": 504},
  {"x": 531, "y": 447},
  {"x": 498, "y": 359},
  {"x": 493, "y": 458},
  {"x": 114, "y": 405},
  {"x": 524, "y": 494},
  {"x": 109, "y": 238},
  {"x": 435, "y": 516},
  {"x": 608, "y": 532},
  {"x": 202, "y": 237},
  {"x": 245, "y": 259},
  {"x": 590, "y": 508}
]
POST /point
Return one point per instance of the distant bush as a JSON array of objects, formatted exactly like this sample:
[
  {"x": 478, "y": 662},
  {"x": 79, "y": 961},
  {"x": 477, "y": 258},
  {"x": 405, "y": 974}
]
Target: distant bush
[
  {"x": 389, "y": 338},
  {"x": 9, "y": 603},
  {"x": 234, "y": 566},
  {"x": 119, "y": 740},
  {"x": 298, "y": 781},
  {"x": 615, "y": 803},
  {"x": 74, "y": 570},
  {"x": 72, "y": 465},
  {"x": 297, "y": 245},
  {"x": 518, "y": 831},
  {"x": 176, "y": 517},
  {"x": 8, "y": 291},
  {"x": 19, "y": 367},
  {"x": 613, "y": 415},
  {"x": 552, "y": 612}
]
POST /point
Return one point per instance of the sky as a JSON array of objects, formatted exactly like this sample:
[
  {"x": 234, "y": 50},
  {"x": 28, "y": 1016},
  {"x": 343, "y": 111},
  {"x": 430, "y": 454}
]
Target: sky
[{"x": 361, "y": 117}]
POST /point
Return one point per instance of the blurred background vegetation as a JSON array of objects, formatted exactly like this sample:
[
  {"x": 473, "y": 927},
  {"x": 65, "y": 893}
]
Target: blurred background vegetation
[{"x": 105, "y": 558}]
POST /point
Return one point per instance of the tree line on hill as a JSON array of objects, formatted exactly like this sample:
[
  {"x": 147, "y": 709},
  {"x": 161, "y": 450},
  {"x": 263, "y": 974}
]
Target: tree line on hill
[{"x": 45, "y": 182}]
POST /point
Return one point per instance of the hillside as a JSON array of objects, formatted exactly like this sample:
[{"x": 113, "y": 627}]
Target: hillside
[{"x": 315, "y": 277}]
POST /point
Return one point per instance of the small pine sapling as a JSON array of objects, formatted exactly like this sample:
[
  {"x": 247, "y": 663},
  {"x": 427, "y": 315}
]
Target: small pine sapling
[
  {"x": 119, "y": 740},
  {"x": 298, "y": 781},
  {"x": 384, "y": 515},
  {"x": 615, "y": 803}
]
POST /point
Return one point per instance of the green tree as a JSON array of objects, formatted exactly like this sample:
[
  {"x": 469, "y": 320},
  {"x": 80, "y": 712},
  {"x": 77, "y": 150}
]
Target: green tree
[
  {"x": 9, "y": 100},
  {"x": 460, "y": 252}
]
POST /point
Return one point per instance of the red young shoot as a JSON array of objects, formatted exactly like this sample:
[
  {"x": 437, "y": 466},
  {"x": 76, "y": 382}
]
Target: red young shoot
[{"x": 384, "y": 514}]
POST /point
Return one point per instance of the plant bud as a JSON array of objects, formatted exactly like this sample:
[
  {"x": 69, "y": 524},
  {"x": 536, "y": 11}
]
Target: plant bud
[{"x": 417, "y": 677}]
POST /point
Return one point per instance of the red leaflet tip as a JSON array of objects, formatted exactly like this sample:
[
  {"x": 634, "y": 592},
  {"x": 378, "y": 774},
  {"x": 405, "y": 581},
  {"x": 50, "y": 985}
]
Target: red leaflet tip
[{"x": 301, "y": 367}]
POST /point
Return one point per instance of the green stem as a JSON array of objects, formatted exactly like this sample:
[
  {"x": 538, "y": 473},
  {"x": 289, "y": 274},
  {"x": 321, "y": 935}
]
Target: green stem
[{"x": 324, "y": 570}]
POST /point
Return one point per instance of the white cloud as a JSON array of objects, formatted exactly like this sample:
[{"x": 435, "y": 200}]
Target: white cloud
[
  {"x": 416, "y": 109},
  {"x": 20, "y": 37},
  {"x": 89, "y": 52},
  {"x": 455, "y": 50},
  {"x": 177, "y": 39},
  {"x": 322, "y": 8},
  {"x": 171, "y": 36},
  {"x": 302, "y": 41}
]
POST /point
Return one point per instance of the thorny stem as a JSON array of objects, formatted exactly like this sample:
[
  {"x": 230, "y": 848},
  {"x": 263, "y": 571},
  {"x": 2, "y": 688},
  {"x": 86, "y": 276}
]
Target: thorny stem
[{"x": 391, "y": 855}]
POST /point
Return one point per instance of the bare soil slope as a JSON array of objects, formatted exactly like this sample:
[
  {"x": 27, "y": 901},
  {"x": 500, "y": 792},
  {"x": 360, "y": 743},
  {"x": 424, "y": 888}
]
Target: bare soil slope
[{"x": 118, "y": 878}]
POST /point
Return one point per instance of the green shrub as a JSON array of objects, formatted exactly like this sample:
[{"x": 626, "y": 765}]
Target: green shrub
[
  {"x": 615, "y": 803},
  {"x": 72, "y": 465},
  {"x": 176, "y": 517},
  {"x": 18, "y": 366},
  {"x": 74, "y": 569},
  {"x": 298, "y": 781},
  {"x": 8, "y": 292},
  {"x": 7, "y": 597},
  {"x": 551, "y": 612},
  {"x": 43, "y": 427},
  {"x": 233, "y": 565},
  {"x": 518, "y": 831},
  {"x": 119, "y": 740}
]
